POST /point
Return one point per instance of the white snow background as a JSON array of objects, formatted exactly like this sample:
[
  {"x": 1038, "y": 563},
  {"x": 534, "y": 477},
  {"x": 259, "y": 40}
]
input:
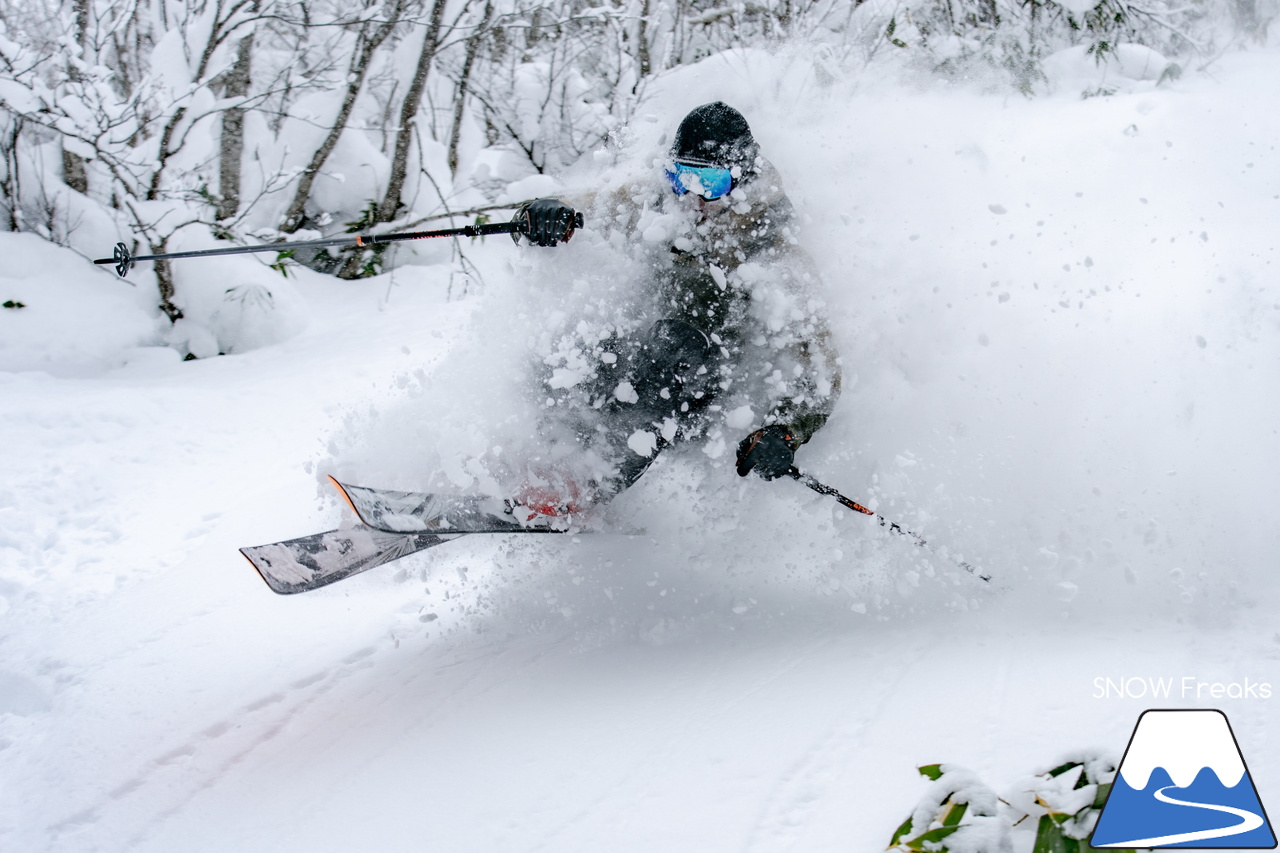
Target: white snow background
[{"x": 1060, "y": 327}]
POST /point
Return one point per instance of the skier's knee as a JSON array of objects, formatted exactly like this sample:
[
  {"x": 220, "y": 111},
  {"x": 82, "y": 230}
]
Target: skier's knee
[{"x": 676, "y": 365}]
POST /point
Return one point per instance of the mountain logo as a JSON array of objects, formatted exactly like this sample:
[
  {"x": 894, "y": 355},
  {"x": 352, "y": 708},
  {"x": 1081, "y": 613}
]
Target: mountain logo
[{"x": 1183, "y": 783}]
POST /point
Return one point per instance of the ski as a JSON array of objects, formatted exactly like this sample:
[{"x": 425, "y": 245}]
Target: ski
[
  {"x": 311, "y": 562},
  {"x": 421, "y": 512},
  {"x": 392, "y": 525}
]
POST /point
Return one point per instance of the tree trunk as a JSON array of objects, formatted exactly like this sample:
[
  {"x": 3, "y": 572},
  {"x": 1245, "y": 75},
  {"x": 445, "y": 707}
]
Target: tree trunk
[
  {"x": 10, "y": 185},
  {"x": 164, "y": 280},
  {"x": 295, "y": 215},
  {"x": 82, "y": 28},
  {"x": 391, "y": 202},
  {"x": 221, "y": 29},
  {"x": 231, "y": 146},
  {"x": 73, "y": 171},
  {"x": 642, "y": 44},
  {"x": 464, "y": 80}
]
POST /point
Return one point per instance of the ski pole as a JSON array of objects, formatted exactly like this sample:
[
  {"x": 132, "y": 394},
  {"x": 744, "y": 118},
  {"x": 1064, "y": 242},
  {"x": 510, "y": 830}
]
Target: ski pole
[
  {"x": 124, "y": 261},
  {"x": 822, "y": 489}
]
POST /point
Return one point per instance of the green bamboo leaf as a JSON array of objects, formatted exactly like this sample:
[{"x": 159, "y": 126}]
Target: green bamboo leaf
[
  {"x": 1049, "y": 838},
  {"x": 954, "y": 814},
  {"x": 902, "y": 831},
  {"x": 933, "y": 836},
  {"x": 1058, "y": 771}
]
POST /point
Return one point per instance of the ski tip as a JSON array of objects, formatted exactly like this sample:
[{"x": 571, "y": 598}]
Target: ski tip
[
  {"x": 275, "y": 586},
  {"x": 345, "y": 491},
  {"x": 342, "y": 490}
]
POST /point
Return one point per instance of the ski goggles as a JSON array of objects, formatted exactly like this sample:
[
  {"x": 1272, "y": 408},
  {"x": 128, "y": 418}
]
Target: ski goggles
[{"x": 707, "y": 181}]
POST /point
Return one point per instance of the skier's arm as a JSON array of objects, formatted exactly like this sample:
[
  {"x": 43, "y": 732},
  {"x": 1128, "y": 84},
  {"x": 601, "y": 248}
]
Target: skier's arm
[
  {"x": 770, "y": 451},
  {"x": 811, "y": 394},
  {"x": 803, "y": 383}
]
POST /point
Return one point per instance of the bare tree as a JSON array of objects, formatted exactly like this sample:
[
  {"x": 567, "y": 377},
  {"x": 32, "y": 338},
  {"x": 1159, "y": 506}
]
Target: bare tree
[
  {"x": 227, "y": 16},
  {"x": 231, "y": 145},
  {"x": 390, "y": 206},
  {"x": 474, "y": 43},
  {"x": 10, "y": 180},
  {"x": 73, "y": 166},
  {"x": 371, "y": 36},
  {"x": 145, "y": 105}
]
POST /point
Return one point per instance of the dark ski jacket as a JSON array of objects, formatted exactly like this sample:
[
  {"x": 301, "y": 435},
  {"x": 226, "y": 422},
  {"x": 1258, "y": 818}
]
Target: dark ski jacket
[{"x": 735, "y": 270}]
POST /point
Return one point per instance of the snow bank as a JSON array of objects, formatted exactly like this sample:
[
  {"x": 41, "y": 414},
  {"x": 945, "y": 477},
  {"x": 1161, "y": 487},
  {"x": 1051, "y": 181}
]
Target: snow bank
[
  {"x": 76, "y": 319},
  {"x": 1126, "y": 68},
  {"x": 235, "y": 304}
]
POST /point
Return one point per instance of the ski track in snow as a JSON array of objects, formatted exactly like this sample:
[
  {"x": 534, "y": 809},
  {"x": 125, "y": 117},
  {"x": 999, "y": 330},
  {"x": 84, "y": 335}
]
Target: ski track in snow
[
  {"x": 185, "y": 770},
  {"x": 193, "y": 766},
  {"x": 805, "y": 788}
]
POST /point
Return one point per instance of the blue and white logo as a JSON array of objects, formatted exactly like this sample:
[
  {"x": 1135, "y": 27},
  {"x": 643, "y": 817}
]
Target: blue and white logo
[{"x": 1183, "y": 783}]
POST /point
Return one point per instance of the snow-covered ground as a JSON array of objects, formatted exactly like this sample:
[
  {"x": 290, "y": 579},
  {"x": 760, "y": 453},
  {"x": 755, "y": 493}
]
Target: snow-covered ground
[{"x": 1064, "y": 324}]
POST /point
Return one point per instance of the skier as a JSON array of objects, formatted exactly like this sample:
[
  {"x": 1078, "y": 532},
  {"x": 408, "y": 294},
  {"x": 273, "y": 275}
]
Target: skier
[{"x": 739, "y": 337}]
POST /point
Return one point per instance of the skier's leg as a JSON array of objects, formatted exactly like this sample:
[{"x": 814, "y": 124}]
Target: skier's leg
[
  {"x": 668, "y": 375},
  {"x": 673, "y": 376},
  {"x": 674, "y": 372}
]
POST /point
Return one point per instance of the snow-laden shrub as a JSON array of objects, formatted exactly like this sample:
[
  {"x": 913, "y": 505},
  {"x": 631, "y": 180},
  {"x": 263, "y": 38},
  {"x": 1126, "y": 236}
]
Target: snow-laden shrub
[
  {"x": 1066, "y": 800},
  {"x": 233, "y": 305},
  {"x": 957, "y": 814},
  {"x": 960, "y": 814},
  {"x": 1007, "y": 43}
]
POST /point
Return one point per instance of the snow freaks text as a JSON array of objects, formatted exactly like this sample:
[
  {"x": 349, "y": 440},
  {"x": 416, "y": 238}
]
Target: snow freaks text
[{"x": 1184, "y": 687}]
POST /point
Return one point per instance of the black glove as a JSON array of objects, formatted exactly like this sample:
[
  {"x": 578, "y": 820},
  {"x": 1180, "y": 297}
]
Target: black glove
[
  {"x": 770, "y": 452},
  {"x": 547, "y": 221}
]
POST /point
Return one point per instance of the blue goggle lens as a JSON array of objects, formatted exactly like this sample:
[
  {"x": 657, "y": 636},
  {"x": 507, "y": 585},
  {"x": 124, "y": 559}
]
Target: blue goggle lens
[{"x": 707, "y": 181}]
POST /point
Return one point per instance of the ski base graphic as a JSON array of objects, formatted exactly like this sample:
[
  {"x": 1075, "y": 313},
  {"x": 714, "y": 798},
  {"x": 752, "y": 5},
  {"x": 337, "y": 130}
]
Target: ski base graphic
[
  {"x": 393, "y": 524},
  {"x": 300, "y": 565}
]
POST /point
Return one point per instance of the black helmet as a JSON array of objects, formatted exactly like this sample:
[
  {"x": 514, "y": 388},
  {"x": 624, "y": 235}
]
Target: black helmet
[{"x": 716, "y": 135}]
